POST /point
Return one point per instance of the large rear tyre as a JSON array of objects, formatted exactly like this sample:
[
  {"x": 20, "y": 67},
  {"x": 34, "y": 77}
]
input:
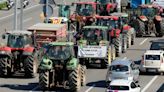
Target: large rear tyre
[
  {"x": 83, "y": 75},
  {"x": 44, "y": 82},
  {"x": 139, "y": 26},
  {"x": 124, "y": 43},
  {"x": 30, "y": 66},
  {"x": 75, "y": 79},
  {"x": 5, "y": 68},
  {"x": 159, "y": 28},
  {"x": 129, "y": 38},
  {"x": 118, "y": 45}
]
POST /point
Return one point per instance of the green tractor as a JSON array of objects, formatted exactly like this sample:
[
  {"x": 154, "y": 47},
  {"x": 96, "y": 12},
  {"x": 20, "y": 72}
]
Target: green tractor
[
  {"x": 59, "y": 67},
  {"x": 6, "y": 4},
  {"x": 94, "y": 46}
]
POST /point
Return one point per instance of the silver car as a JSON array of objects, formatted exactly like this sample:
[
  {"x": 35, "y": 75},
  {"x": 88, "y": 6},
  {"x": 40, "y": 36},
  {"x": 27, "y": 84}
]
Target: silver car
[{"x": 122, "y": 69}]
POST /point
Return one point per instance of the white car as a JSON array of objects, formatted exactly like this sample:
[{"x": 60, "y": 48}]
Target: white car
[
  {"x": 123, "y": 69},
  {"x": 122, "y": 85}
]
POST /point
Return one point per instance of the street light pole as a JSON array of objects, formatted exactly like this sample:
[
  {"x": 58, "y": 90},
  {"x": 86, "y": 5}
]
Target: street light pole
[
  {"x": 47, "y": 11},
  {"x": 21, "y": 15},
  {"x": 15, "y": 15}
]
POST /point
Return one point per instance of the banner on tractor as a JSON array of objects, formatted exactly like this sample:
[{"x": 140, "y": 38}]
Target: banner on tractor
[{"x": 92, "y": 51}]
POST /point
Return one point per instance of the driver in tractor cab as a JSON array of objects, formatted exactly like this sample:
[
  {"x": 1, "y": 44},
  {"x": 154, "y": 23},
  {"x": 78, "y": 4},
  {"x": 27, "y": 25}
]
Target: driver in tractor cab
[
  {"x": 86, "y": 10},
  {"x": 19, "y": 42},
  {"x": 104, "y": 12}
]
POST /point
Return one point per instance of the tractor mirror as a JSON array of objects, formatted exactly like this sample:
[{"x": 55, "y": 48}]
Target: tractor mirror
[
  {"x": 3, "y": 36},
  {"x": 162, "y": 14}
]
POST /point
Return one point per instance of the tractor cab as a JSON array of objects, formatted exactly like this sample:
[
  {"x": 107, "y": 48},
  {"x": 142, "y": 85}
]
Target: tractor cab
[
  {"x": 18, "y": 39},
  {"x": 86, "y": 8},
  {"x": 107, "y": 6},
  {"x": 60, "y": 50},
  {"x": 94, "y": 35},
  {"x": 148, "y": 10}
]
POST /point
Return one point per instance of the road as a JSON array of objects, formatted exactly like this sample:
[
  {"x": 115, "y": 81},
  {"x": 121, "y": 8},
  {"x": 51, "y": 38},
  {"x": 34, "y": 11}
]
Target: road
[{"x": 95, "y": 77}]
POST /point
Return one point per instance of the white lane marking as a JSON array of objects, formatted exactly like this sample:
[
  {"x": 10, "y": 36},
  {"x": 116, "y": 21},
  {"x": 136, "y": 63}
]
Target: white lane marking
[
  {"x": 90, "y": 88},
  {"x": 34, "y": 88},
  {"x": 143, "y": 41},
  {"x": 19, "y": 12},
  {"x": 124, "y": 58},
  {"x": 147, "y": 86}
]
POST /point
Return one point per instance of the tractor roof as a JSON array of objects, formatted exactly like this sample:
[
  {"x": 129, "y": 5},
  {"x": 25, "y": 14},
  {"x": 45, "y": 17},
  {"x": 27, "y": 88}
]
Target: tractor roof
[
  {"x": 92, "y": 3},
  {"x": 119, "y": 14},
  {"x": 61, "y": 43},
  {"x": 149, "y": 6},
  {"x": 107, "y": 17},
  {"x": 19, "y": 32},
  {"x": 95, "y": 27},
  {"x": 47, "y": 27}
]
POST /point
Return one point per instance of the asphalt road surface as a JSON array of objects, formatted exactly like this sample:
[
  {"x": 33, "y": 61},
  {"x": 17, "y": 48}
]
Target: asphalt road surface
[{"x": 95, "y": 77}]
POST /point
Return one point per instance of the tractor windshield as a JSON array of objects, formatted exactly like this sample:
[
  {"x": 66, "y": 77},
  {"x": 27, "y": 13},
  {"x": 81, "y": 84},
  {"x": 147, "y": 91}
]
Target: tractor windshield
[
  {"x": 84, "y": 9},
  {"x": 150, "y": 12},
  {"x": 59, "y": 52},
  {"x": 93, "y": 35},
  {"x": 19, "y": 41},
  {"x": 107, "y": 22}
]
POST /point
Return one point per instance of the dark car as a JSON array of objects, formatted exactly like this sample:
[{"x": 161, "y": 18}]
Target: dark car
[{"x": 157, "y": 45}]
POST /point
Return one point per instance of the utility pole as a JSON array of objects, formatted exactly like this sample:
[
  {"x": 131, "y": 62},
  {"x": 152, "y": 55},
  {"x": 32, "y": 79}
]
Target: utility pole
[
  {"x": 47, "y": 11},
  {"x": 15, "y": 15},
  {"x": 21, "y": 15}
]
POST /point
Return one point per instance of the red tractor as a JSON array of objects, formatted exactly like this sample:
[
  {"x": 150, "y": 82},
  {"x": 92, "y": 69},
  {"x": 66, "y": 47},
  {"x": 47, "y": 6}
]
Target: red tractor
[
  {"x": 114, "y": 31},
  {"x": 19, "y": 54},
  {"x": 84, "y": 13},
  {"x": 107, "y": 7},
  {"x": 149, "y": 21}
]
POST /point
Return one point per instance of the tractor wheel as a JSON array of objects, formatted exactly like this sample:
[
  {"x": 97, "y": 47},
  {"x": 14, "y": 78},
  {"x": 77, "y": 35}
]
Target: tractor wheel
[
  {"x": 75, "y": 80},
  {"x": 118, "y": 45},
  {"x": 44, "y": 81},
  {"x": 139, "y": 26},
  {"x": 30, "y": 66},
  {"x": 132, "y": 38},
  {"x": 83, "y": 75},
  {"x": 5, "y": 70},
  {"x": 159, "y": 28},
  {"x": 124, "y": 43},
  {"x": 113, "y": 53}
]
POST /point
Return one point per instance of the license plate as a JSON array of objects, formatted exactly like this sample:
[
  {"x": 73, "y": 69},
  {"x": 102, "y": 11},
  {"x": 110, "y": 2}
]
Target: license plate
[{"x": 152, "y": 70}]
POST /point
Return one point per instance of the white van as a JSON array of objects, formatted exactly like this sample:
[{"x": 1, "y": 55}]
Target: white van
[{"x": 153, "y": 61}]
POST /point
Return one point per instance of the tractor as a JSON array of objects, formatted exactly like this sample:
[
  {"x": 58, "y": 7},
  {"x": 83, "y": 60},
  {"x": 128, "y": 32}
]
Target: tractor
[
  {"x": 60, "y": 68},
  {"x": 19, "y": 54},
  {"x": 148, "y": 21},
  {"x": 114, "y": 32},
  {"x": 127, "y": 30},
  {"x": 107, "y": 7},
  {"x": 94, "y": 47},
  {"x": 6, "y": 4},
  {"x": 84, "y": 13}
]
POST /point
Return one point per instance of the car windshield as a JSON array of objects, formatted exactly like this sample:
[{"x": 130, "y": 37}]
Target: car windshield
[
  {"x": 59, "y": 52},
  {"x": 92, "y": 34},
  {"x": 107, "y": 22},
  {"x": 150, "y": 12},
  {"x": 152, "y": 57},
  {"x": 84, "y": 9},
  {"x": 119, "y": 68},
  {"x": 113, "y": 87},
  {"x": 17, "y": 41},
  {"x": 157, "y": 46}
]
